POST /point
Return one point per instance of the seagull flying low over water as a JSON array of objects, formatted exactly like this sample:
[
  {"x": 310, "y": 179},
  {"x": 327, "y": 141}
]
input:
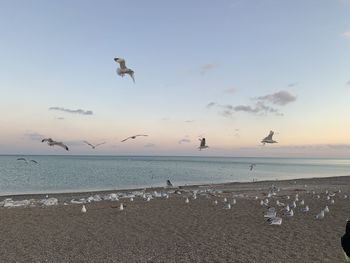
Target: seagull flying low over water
[
  {"x": 133, "y": 137},
  {"x": 202, "y": 144},
  {"x": 122, "y": 70},
  {"x": 168, "y": 183},
  {"x": 51, "y": 142},
  {"x": 268, "y": 139},
  {"x": 24, "y": 159},
  {"x": 251, "y": 166},
  {"x": 94, "y": 146}
]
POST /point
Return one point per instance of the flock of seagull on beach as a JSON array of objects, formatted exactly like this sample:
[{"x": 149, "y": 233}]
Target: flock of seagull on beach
[
  {"x": 288, "y": 208},
  {"x": 278, "y": 205}
]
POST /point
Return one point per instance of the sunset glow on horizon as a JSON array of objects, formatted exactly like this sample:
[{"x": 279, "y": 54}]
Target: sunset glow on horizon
[{"x": 229, "y": 71}]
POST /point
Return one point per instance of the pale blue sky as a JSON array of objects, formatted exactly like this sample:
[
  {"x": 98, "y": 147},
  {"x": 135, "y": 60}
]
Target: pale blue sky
[{"x": 185, "y": 54}]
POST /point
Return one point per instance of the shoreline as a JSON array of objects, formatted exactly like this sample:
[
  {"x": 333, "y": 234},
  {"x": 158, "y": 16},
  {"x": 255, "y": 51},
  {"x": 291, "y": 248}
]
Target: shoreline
[{"x": 217, "y": 186}]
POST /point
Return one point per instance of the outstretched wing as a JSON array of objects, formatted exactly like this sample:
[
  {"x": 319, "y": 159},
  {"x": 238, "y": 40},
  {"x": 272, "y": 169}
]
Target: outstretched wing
[
  {"x": 22, "y": 159},
  {"x": 126, "y": 139},
  {"x": 100, "y": 144},
  {"x": 61, "y": 144},
  {"x": 89, "y": 144},
  {"x": 33, "y": 161},
  {"x": 132, "y": 76},
  {"x": 47, "y": 140},
  {"x": 121, "y": 62},
  {"x": 269, "y": 137},
  {"x": 203, "y": 142}
]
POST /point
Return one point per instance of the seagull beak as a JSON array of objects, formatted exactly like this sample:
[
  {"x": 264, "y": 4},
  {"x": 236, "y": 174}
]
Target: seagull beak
[{"x": 116, "y": 59}]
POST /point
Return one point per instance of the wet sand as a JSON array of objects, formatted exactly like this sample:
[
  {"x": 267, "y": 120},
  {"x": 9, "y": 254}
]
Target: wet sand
[{"x": 169, "y": 230}]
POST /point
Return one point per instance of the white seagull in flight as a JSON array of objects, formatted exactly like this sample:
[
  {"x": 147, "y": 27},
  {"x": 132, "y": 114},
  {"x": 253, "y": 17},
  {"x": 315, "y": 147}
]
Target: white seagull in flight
[
  {"x": 202, "y": 144},
  {"x": 94, "y": 146},
  {"x": 268, "y": 139},
  {"x": 251, "y": 166},
  {"x": 51, "y": 142},
  {"x": 24, "y": 159},
  {"x": 133, "y": 137},
  {"x": 122, "y": 70}
]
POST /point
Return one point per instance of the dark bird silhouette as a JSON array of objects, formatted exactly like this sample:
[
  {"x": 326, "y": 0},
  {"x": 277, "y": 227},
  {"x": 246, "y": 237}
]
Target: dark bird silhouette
[
  {"x": 51, "y": 142},
  {"x": 133, "y": 137}
]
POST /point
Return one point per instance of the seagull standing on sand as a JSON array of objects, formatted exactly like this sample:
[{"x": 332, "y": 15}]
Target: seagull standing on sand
[
  {"x": 275, "y": 220},
  {"x": 227, "y": 206},
  {"x": 83, "y": 209},
  {"x": 51, "y": 142},
  {"x": 320, "y": 215},
  {"x": 94, "y": 146},
  {"x": 270, "y": 213},
  {"x": 305, "y": 209},
  {"x": 122, "y": 70},
  {"x": 133, "y": 137},
  {"x": 289, "y": 214},
  {"x": 268, "y": 139},
  {"x": 278, "y": 203},
  {"x": 202, "y": 144}
]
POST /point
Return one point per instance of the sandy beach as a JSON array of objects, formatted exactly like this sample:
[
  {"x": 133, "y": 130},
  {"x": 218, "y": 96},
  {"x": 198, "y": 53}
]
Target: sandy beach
[{"x": 170, "y": 230}]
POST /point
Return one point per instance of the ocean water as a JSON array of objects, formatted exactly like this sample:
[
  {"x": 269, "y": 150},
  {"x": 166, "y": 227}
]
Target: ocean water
[{"x": 86, "y": 173}]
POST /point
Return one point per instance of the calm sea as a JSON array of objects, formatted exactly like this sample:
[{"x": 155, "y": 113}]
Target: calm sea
[{"x": 85, "y": 173}]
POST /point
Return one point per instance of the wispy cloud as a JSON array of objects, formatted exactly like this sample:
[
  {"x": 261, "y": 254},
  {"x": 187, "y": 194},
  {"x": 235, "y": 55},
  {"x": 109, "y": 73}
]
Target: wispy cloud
[
  {"x": 226, "y": 113},
  {"x": 207, "y": 67},
  {"x": 189, "y": 121},
  {"x": 210, "y": 104},
  {"x": 346, "y": 34},
  {"x": 60, "y": 118},
  {"x": 184, "y": 140},
  {"x": 259, "y": 108},
  {"x": 348, "y": 83},
  {"x": 279, "y": 98},
  {"x": 290, "y": 85},
  {"x": 78, "y": 111}
]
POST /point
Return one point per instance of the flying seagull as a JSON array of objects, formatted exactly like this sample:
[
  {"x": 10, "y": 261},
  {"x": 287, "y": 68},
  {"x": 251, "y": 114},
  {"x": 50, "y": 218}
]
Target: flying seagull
[
  {"x": 268, "y": 139},
  {"x": 133, "y": 137},
  {"x": 251, "y": 166},
  {"x": 51, "y": 142},
  {"x": 94, "y": 146},
  {"x": 122, "y": 70},
  {"x": 24, "y": 159},
  {"x": 202, "y": 144},
  {"x": 168, "y": 183}
]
